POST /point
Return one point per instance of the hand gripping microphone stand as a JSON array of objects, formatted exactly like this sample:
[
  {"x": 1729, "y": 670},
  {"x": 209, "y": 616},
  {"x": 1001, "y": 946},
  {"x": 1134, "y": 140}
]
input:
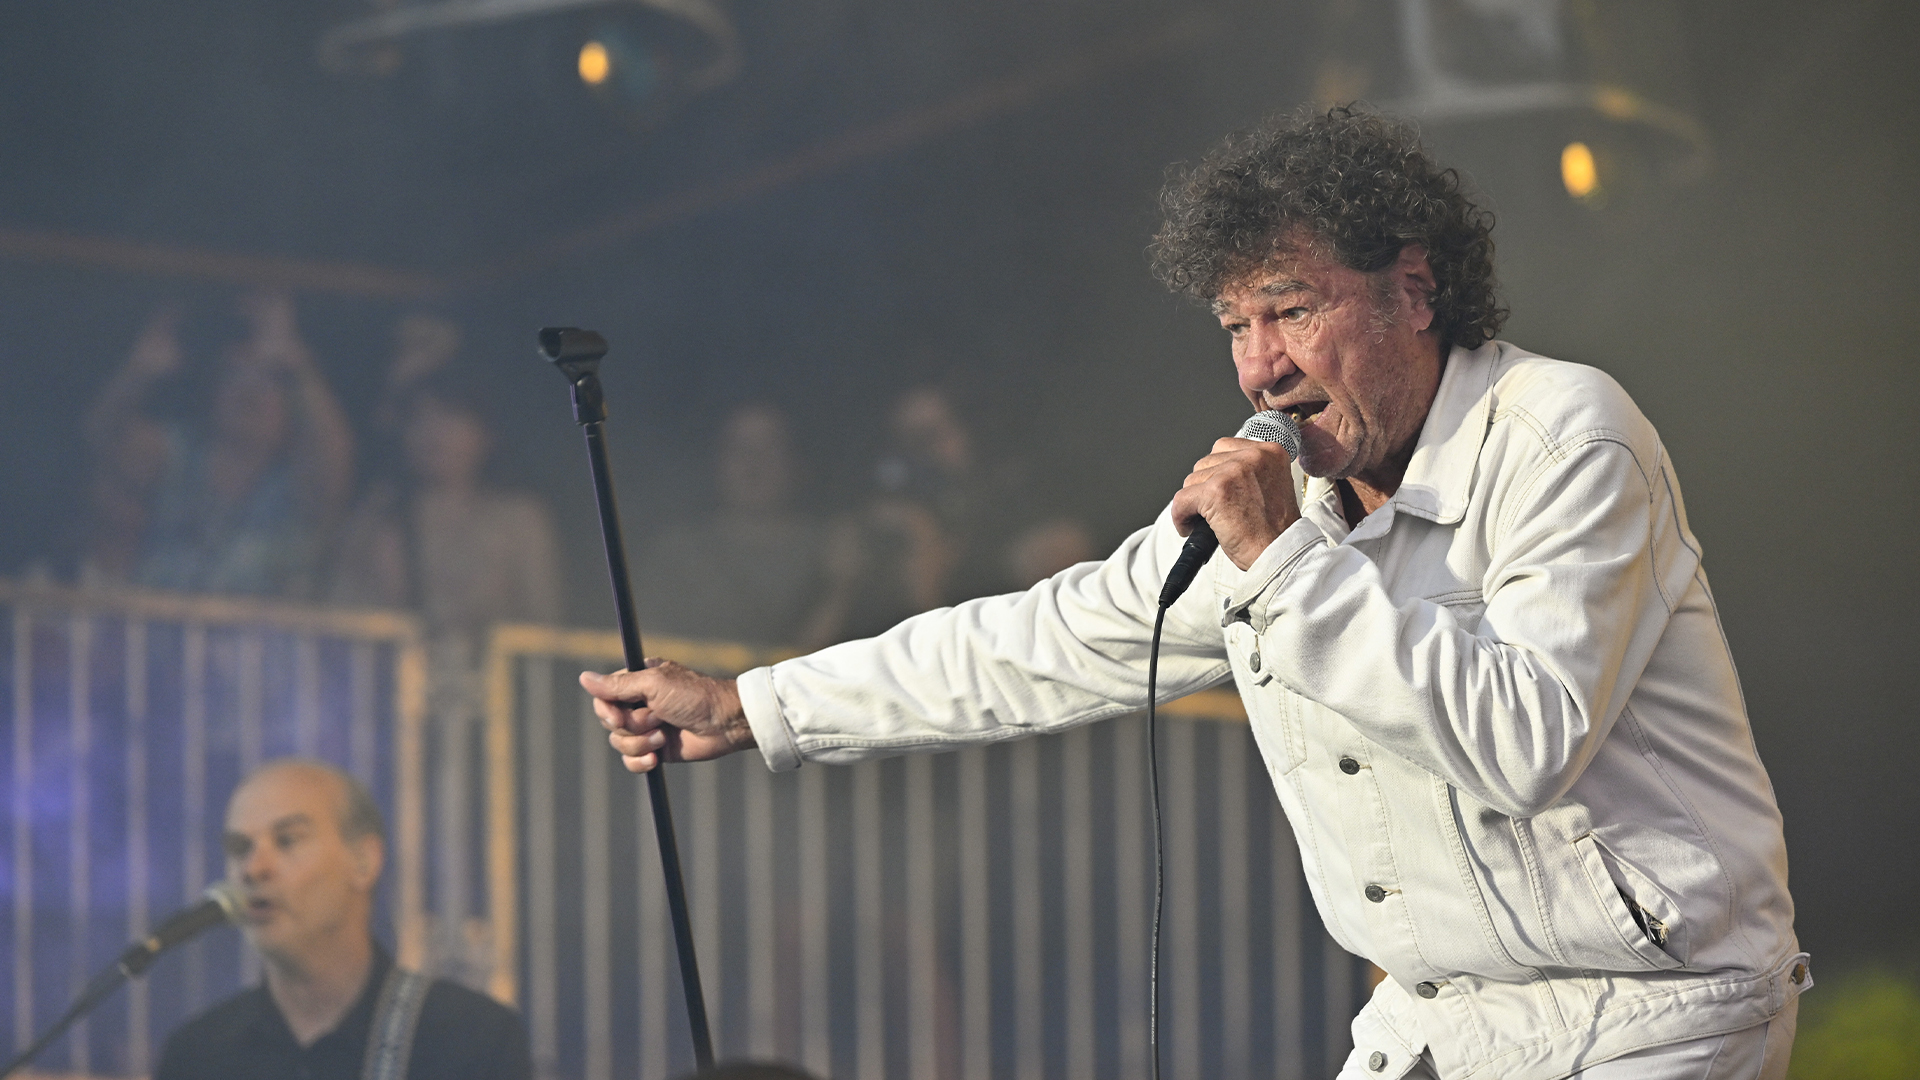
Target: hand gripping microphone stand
[{"x": 577, "y": 354}]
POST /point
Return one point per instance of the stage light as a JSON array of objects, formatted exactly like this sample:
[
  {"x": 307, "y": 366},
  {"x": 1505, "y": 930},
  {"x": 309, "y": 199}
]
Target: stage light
[
  {"x": 594, "y": 63},
  {"x": 1578, "y": 172}
]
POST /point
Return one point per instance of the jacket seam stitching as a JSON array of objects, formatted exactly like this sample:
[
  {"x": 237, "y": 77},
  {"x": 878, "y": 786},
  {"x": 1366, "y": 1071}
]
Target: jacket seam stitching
[
  {"x": 1530, "y": 856},
  {"x": 1557, "y": 452},
  {"x": 1262, "y": 597},
  {"x": 1637, "y": 1000},
  {"x": 1477, "y": 895},
  {"x": 998, "y": 734},
  {"x": 1740, "y": 691}
]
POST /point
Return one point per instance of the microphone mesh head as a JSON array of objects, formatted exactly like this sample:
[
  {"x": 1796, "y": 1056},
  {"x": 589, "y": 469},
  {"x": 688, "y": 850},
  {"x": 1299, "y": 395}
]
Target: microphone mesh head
[
  {"x": 1273, "y": 426},
  {"x": 233, "y": 904}
]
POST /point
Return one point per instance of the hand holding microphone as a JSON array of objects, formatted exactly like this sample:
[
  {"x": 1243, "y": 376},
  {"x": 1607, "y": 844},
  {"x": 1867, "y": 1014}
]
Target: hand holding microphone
[{"x": 1239, "y": 497}]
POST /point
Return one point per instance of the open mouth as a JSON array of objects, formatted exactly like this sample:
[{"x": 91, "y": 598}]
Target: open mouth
[{"x": 1304, "y": 411}]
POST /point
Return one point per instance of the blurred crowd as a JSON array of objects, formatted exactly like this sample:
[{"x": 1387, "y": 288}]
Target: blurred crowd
[
  {"x": 265, "y": 486},
  {"x": 238, "y": 471}
]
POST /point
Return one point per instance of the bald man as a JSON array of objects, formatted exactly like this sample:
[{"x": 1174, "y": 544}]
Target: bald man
[{"x": 305, "y": 844}]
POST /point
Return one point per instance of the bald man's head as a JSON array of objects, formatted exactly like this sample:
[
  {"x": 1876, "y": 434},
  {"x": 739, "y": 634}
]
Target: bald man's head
[
  {"x": 358, "y": 814},
  {"x": 305, "y": 843}
]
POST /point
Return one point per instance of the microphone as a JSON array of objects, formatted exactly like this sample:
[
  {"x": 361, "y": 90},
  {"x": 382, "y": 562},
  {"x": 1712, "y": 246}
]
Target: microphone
[
  {"x": 1270, "y": 426},
  {"x": 222, "y": 903}
]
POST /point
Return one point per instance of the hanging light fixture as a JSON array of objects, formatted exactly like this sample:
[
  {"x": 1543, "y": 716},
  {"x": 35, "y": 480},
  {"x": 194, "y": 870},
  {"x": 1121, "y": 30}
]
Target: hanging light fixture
[
  {"x": 640, "y": 58},
  {"x": 1603, "y": 84}
]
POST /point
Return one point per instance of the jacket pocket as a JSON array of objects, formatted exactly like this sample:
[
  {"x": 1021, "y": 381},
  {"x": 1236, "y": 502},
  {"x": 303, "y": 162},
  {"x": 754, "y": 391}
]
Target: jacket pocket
[{"x": 1643, "y": 918}]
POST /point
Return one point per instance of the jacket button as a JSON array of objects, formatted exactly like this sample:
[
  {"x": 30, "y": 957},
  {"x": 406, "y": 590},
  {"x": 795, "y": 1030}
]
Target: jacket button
[
  {"x": 1349, "y": 766},
  {"x": 1376, "y": 894},
  {"x": 1427, "y": 990},
  {"x": 1253, "y": 662},
  {"x": 1377, "y": 1061}
]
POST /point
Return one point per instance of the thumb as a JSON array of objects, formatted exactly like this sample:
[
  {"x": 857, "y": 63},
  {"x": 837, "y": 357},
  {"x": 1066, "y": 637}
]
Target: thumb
[{"x": 618, "y": 686}]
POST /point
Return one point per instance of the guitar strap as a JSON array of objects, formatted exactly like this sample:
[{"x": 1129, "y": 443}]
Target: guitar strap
[{"x": 394, "y": 1018}]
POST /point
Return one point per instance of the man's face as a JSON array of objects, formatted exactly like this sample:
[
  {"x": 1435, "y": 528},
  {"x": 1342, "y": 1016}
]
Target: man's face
[
  {"x": 1348, "y": 355},
  {"x": 305, "y": 885}
]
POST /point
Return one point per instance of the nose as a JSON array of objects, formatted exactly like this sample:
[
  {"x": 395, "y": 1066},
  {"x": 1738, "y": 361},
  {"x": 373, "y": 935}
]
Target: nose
[
  {"x": 1260, "y": 358},
  {"x": 256, "y": 866}
]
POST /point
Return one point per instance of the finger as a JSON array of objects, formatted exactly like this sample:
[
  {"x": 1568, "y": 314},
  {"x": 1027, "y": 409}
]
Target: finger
[
  {"x": 617, "y": 717},
  {"x": 640, "y": 764},
  {"x": 621, "y": 686},
  {"x": 634, "y": 745},
  {"x": 1186, "y": 513},
  {"x": 1235, "y": 449},
  {"x": 631, "y": 721},
  {"x": 611, "y": 714}
]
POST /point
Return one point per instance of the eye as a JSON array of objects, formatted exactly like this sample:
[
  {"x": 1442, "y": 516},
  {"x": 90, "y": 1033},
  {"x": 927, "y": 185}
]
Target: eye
[
  {"x": 1234, "y": 328},
  {"x": 236, "y": 847},
  {"x": 1293, "y": 314}
]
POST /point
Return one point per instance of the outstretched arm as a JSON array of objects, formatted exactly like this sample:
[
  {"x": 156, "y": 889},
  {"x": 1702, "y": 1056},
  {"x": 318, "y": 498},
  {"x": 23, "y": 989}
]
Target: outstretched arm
[
  {"x": 155, "y": 355},
  {"x": 1072, "y": 649}
]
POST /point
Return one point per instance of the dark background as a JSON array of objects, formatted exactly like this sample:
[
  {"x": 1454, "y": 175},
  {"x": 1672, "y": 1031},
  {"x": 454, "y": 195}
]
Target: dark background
[{"x": 992, "y": 240}]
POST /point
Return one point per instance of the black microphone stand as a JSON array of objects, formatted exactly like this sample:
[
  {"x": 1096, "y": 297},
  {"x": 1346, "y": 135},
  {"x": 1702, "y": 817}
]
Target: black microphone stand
[
  {"x": 133, "y": 962},
  {"x": 577, "y": 354},
  {"x": 97, "y": 991}
]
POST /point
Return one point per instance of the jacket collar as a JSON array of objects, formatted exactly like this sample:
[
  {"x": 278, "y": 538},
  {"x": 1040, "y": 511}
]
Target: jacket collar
[{"x": 1440, "y": 475}]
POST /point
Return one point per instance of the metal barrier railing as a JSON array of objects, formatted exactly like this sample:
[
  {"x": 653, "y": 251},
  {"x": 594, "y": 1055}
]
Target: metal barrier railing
[
  {"x": 132, "y": 715},
  {"x": 970, "y": 915}
]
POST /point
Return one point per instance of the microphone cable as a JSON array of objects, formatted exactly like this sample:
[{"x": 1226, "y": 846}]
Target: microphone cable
[
  {"x": 1266, "y": 426},
  {"x": 1159, "y": 843}
]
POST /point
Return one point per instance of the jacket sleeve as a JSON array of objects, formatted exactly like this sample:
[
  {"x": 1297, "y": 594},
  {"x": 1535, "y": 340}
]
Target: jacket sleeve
[
  {"x": 1070, "y": 650},
  {"x": 1587, "y": 554}
]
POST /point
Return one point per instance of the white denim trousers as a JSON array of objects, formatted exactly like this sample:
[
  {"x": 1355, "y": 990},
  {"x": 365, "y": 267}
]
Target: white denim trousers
[{"x": 1758, "y": 1053}]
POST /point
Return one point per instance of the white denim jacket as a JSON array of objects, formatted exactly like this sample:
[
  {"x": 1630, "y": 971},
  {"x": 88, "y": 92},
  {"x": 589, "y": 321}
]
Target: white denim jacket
[{"x": 1500, "y": 715}]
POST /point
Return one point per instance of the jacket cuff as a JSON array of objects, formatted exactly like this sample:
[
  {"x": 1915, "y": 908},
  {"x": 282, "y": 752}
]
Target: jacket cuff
[
  {"x": 770, "y": 729},
  {"x": 1238, "y": 589}
]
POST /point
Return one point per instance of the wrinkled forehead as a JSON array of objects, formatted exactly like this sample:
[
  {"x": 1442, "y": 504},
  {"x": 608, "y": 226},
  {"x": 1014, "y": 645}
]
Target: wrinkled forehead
[{"x": 1296, "y": 269}]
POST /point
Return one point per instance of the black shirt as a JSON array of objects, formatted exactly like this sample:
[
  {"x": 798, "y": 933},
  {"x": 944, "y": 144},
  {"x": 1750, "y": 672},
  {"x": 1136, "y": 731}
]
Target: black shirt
[{"x": 462, "y": 1035}]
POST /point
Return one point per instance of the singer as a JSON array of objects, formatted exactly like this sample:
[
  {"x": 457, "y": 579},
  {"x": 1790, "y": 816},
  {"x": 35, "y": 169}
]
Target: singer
[
  {"x": 1470, "y": 626},
  {"x": 304, "y": 845}
]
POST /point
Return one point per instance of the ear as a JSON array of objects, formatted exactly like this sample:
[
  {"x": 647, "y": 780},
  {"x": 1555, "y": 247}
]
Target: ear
[
  {"x": 1413, "y": 276},
  {"x": 369, "y": 856}
]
